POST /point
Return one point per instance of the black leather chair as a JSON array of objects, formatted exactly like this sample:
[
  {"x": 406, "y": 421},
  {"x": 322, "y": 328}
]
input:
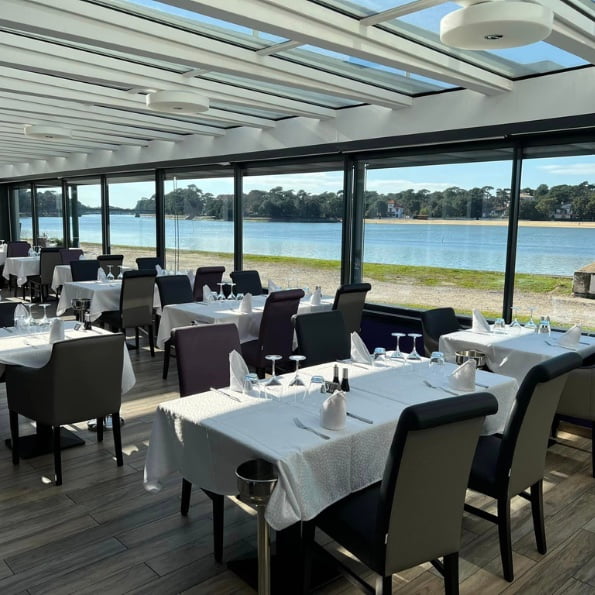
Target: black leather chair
[
  {"x": 67, "y": 255},
  {"x": 41, "y": 284},
  {"x": 207, "y": 276},
  {"x": 66, "y": 391},
  {"x": 322, "y": 337},
  {"x": 173, "y": 289},
  {"x": 350, "y": 300},
  {"x": 149, "y": 262},
  {"x": 7, "y": 313},
  {"x": 414, "y": 514},
  {"x": 506, "y": 465},
  {"x": 113, "y": 260},
  {"x": 247, "y": 282},
  {"x": 84, "y": 270},
  {"x": 276, "y": 330},
  {"x": 136, "y": 306},
  {"x": 202, "y": 356},
  {"x": 437, "y": 322}
]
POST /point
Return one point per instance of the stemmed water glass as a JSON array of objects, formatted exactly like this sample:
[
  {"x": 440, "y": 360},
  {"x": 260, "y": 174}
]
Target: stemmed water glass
[
  {"x": 414, "y": 355},
  {"x": 273, "y": 380},
  {"x": 396, "y": 354},
  {"x": 110, "y": 275},
  {"x": 220, "y": 295},
  {"x": 231, "y": 295},
  {"x": 515, "y": 324},
  {"x": 297, "y": 379},
  {"x": 44, "y": 319},
  {"x": 531, "y": 323}
]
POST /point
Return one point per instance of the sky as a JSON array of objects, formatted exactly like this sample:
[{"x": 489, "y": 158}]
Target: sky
[{"x": 551, "y": 171}]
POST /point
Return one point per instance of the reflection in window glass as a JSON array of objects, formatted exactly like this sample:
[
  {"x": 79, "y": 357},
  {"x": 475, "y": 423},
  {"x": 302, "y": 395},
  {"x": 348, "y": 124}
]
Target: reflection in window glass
[
  {"x": 49, "y": 215},
  {"x": 292, "y": 229},
  {"x": 132, "y": 221},
  {"x": 198, "y": 222},
  {"x": 436, "y": 235},
  {"x": 84, "y": 205},
  {"x": 556, "y": 239},
  {"x": 21, "y": 222}
]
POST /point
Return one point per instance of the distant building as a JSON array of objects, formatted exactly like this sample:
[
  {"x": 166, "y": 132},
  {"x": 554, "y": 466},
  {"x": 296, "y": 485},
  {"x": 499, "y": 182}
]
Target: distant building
[
  {"x": 563, "y": 211},
  {"x": 394, "y": 210}
]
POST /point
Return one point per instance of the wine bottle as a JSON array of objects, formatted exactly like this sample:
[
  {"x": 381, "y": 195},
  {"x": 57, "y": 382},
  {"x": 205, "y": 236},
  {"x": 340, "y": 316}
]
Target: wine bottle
[{"x": 345, "y": 381}]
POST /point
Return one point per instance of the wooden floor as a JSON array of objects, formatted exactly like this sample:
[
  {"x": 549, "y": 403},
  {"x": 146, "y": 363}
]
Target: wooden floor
[{"x": 101, "y": 532}]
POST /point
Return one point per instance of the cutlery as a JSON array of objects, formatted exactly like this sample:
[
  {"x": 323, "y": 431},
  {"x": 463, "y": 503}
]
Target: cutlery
[
  {"x": 452, "y": 392},
  {"x": 228, "y": 395},
  {"x": 482, "y": 385},
  {"x": 364, "y": 419},
  {"x": 298, "y": 422}
]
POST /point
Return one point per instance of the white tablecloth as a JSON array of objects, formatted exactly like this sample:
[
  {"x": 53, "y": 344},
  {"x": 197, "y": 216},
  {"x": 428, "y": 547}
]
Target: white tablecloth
[
  {"x": 104, "y": 297},
  {"x": 2, "y": 254},
  {"x": 205, "y": 437},
  {"x": 34, "y": 350},
  {"x": 63, "y": 274},
  {"x": 177, "y": 315},
  {"x": 22, "y": 267},
  {"x": 512, "y": 353}
]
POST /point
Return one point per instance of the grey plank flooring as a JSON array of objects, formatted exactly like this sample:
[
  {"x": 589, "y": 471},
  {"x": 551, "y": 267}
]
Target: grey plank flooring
[{"x": 101, "y": 532}]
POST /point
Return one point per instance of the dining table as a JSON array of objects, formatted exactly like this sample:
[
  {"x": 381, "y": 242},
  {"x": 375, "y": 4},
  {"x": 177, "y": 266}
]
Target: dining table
[
  {"x": 21, "y": 267},
  {"x": 204, "y": 437},
  {"x": 225, "y": 311},
  {"x": 63, "y": 274},
  {"x": 512, "y": 351}
]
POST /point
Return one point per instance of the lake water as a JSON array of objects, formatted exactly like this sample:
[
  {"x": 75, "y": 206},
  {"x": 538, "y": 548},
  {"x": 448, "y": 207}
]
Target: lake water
[{"x": 546, "y": 250}]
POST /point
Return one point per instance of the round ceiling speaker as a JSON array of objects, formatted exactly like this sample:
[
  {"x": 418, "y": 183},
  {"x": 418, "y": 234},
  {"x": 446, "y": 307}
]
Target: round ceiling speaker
[
  {"x": 47, "y": 132},
  {"x": 495, "y": 25},
  {"x": 177, "y": 102}
]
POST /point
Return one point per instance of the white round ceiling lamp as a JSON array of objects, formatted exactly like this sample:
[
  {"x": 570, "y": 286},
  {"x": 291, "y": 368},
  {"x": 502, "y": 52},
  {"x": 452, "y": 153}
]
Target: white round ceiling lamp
[
  {"x": 177, "y": 102},
  {"x": 47, "y": 132},
  {"x": 496, "y": 24}
]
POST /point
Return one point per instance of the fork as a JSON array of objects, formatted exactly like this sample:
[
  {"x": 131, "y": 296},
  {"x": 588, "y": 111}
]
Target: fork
[
  {"x": 298, "y": 422},
  {"x": 452, "y": 392}
]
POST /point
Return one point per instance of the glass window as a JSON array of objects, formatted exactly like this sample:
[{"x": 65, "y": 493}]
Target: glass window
[
  {"x": 556, "y": 239},
  {"x": 48, "y": 197},
  {"x": 21, "y": 219},
  {"x": 132, "y": 221},
  {"x": 199, "y": 220},
  {"x": 435, "y": 235},
  {"x": 292, "y": 228},
  {"x": 84, "y": 211}
]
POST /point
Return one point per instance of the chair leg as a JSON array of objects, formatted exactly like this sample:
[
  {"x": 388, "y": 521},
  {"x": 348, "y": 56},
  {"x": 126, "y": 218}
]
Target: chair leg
[
  {"x": 117, "y": 432},
  {"x": 186, "y": 493},
  {"x": 136, "y": 338},
  {"x": 505, "y": 538},
  {"x": 14, "y": 435},
  {"x": 384, "y": 585},
  {"x": 151, "y": 340},
  {"x": 451, "y": 574},
  {"x": 57, "y": 456},
  {"x": 537, "y": 512},
  {"x": 100, "y": 421},
  {"x": 166, "y": 355},
  {"x": 218, "y": 502}
]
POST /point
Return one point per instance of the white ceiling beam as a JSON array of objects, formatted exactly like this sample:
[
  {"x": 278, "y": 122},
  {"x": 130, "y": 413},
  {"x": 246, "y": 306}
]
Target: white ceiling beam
[
  {"x": 143, "y": 37},
  {"x": 316, "y": 25},
  {"x": 399, "y": 11},
  {"x": 278, "y": 47}
]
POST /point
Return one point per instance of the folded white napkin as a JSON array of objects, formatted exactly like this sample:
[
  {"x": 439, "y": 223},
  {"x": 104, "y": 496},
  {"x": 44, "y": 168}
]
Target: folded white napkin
[
  {"x": 101, "y": 276},
  {"x": 32, "y": 252},
  {"x": 207, "y": 294},
  {"x": 273, "y": 286},
  {"x": 56, "y": 330},
  {"x": 159, "y": 269},
  {"x": 480, "y": 324},
  {"x": 20, "y": 312},
  {"x": 333, "y": 412},
  {"x": 359, "y": 351},
  {"x": 246, "y": 304},
  {"x": 190, "y": 274},
  {"x": 316, "y": 296},
  {"x": 571, "y": 337},
  {"x": 463, "y": 378},
  {"x": 237, "y": 371}
]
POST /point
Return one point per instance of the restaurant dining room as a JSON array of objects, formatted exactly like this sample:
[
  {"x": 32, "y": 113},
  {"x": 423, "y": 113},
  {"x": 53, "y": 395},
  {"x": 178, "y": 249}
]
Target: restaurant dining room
[{"x": 297, "y": 297}]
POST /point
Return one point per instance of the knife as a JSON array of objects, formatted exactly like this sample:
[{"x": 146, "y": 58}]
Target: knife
[{"x": 364, "y": 419}]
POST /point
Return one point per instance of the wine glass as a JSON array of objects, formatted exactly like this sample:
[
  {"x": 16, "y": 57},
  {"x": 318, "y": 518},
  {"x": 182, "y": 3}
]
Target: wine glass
[
  {"x": 221, "y": 294},
  {"x": 44, "y": 319},
  {"x": 396, "y": 354},
  {"x": 110, "y": 275},
  {"x": 231, "y": 295},
  {"x": 530, "y": 324},
  {"x": 121, "y": 274},
  {"x": 515, "y": 324},
  {"x": 414, "y": 355},
  {"x": 297, "y": 379},
  {"x": 273, "y": 380}
]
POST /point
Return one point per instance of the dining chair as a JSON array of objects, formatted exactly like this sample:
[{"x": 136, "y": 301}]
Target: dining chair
[
  {"x": 111, "y": 260},
  {"x": 14, "y": 250},
  {"x": 507, "y": 464},
  {"x": 275, "y": 336},
  {"x": 578, "y": 402},
  {"x": 67, "y": 255},
  {"x": 84, "y": 270},
  {"x": 350, "y": 300},
  {"x": 48, "y": 259},
  {"x": 71, "y": 393},
  {"x": 321, "y": 337},
  {"x": 173, "y": 289},
  {"x": 414, "y": 514},
  {"x": 210, "y": 276},
  {"x": 136, "y": 306},
  {"x": 247, "y": 282},
  {"x": 435, "y": 323},
  {"x": 149, "y": 262},
  {"x": 202, "y": 356},
  {"x": 7, "y": 313}
]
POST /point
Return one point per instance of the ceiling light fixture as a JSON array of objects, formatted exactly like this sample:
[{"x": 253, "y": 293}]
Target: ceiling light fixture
[
  {"x": 177, "y": 102},
  {"x": 496, "y": 24},
  {"x": 47, "y": 132}
]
